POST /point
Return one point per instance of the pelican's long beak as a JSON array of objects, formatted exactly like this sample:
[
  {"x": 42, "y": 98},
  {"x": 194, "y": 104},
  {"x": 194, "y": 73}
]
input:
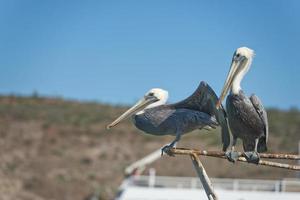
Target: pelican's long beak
[
  {"x": 234, "y": 70},
  {"x": 145, "y": 101}
]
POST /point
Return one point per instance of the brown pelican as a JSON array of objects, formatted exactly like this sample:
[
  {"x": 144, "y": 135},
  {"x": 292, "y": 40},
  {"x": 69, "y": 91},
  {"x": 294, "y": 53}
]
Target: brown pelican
[
  {"x": 246, "y": 116},
  {"x": 152, "y": 115}
]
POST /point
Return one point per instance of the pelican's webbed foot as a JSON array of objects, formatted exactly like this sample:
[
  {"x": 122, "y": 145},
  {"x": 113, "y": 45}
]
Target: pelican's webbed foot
[
  {"x": 167, "y": 150},
  {"x": 252, "y": 157},
  {"x": 232, "y": 156}
]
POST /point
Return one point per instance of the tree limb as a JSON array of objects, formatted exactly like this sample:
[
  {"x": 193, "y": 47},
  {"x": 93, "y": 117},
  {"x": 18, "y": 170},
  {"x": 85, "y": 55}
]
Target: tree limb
[
  {"x": 207, "y": 185},
  {"x": 220, "y": 154}
]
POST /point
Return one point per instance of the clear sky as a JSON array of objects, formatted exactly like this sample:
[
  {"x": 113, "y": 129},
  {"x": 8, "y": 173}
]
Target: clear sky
[{"x": 114, "y": 51}]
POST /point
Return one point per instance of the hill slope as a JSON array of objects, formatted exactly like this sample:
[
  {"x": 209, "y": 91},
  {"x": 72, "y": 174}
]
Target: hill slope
[{"x": 56, "y": 149}]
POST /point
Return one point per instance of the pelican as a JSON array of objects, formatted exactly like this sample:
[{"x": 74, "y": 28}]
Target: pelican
[
  {"x": 152, "y": 115},
  {"x": 247, "y": 117}
]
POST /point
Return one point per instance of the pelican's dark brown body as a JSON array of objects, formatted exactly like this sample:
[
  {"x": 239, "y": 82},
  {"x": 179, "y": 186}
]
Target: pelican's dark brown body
[
  {"x": 247, "y": 120},
  {"x": 195, "y": 112}
]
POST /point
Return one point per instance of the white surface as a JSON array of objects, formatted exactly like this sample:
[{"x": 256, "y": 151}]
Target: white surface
[
  {"x": 146, "y": 193},
  {"x": 284, "y": 185}
]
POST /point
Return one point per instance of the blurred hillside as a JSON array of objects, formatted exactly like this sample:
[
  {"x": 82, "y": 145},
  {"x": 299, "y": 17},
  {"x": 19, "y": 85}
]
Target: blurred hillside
[{"x": 57, "y": 149}]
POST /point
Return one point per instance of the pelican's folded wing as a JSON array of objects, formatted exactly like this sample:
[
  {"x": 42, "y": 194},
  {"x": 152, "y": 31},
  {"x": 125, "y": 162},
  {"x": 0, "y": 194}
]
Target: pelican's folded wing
[
  {"x": 261, "y": 112},
  {"x": 204, "y": 99},
  {"x": 262, "y": 144}
]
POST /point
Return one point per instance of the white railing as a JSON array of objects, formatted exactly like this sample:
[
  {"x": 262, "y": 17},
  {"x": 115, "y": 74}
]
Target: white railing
[{"x": 285, "y": 185}]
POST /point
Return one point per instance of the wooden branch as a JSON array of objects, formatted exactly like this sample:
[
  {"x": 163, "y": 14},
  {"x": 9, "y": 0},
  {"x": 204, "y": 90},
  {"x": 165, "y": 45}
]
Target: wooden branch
[
  {"x": 207, "y": 185},
  {"x": 219, "y": 154}
]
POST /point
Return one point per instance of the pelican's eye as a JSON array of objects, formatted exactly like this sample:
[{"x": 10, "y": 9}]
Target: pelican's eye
[
  {"x": 151, "y": 94},
  {"x": 238, "y": 55}
]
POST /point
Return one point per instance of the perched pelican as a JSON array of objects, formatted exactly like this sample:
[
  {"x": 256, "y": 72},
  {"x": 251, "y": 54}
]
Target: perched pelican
[
  {"x": 152, "y": 115},
  {"x": 246, "y": 116}
]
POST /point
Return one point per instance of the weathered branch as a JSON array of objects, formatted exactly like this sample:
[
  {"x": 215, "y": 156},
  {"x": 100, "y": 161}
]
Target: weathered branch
[
  {"x": 219, "y": 154},
  {"x": 207, "y": 185}
]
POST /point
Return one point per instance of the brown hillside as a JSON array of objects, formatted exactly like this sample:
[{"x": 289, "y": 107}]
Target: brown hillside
[{"x": 56, "y": 149}]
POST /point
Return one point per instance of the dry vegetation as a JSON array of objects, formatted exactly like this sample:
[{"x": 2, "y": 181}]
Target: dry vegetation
[{"x": 56, "y": 149}]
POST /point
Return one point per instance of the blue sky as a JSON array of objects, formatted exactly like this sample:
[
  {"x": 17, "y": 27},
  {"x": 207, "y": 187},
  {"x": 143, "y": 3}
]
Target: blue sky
[{"x": 114, "y": 51}]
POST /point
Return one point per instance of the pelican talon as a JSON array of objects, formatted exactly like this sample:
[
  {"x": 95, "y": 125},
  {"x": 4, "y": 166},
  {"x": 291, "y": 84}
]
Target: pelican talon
[
  {"x": 252, "y": 157},
  {"x": 167, "y": 150},
  {"x": 232, "y": 156}
]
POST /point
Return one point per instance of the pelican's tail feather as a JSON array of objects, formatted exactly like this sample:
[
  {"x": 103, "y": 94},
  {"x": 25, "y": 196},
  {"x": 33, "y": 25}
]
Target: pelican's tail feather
[{"x": 262, "y": 145}]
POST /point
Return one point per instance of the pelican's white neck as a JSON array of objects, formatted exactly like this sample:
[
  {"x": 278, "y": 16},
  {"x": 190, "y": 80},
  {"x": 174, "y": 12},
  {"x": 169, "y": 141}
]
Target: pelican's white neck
[{"x": 236, "y": 84}]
